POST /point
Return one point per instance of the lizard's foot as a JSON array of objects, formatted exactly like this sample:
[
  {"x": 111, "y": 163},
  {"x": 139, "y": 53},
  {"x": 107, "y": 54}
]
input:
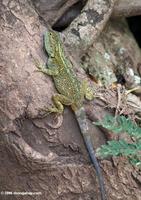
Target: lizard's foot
[
  {"x": 87, "y": 90},
  {"x": 46, "y": 111},
  {"x": 53, "y": 71},
  {"x": 37, "y": 63},
  {"x": 89, "y": 94},
  {"x": 40, "y": 67},
  {"x": 54, "y": 110}
]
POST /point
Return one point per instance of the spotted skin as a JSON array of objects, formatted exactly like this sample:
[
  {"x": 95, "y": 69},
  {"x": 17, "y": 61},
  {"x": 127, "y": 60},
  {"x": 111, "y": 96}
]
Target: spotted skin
[{"x": 71, "y": 90}]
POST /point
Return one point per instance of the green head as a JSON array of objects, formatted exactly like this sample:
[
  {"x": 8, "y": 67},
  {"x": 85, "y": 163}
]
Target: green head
[{"x": 51, "y": 40}]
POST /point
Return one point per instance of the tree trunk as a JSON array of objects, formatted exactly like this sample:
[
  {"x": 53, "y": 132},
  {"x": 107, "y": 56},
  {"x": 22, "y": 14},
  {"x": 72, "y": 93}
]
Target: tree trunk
[{"x": 45, "y": 157}]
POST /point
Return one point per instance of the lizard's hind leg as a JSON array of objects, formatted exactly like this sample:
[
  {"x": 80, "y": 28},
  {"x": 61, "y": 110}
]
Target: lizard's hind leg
[
  {"x": 86, "y": 90},
  {"x": 59, "y": 100}
]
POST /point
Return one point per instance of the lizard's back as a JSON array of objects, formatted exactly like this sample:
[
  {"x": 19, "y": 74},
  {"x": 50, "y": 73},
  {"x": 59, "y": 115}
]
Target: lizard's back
[{"x": 66, "y": 81}]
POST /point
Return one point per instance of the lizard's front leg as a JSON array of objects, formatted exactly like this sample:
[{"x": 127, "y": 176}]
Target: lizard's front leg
[{"x": 51, "y": 70}]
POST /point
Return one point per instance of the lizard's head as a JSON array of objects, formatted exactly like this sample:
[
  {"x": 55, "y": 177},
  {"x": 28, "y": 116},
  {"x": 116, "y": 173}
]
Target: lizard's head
[{"x": 51, "y": 39}]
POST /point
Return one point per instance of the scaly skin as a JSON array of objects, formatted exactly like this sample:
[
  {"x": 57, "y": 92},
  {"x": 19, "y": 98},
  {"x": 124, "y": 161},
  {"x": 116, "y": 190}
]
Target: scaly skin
[{"x": 71, "y": 92}]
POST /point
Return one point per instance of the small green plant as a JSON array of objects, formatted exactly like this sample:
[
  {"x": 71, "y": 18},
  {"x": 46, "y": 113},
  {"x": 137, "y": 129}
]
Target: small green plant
[{"x": 119, "y": 125}]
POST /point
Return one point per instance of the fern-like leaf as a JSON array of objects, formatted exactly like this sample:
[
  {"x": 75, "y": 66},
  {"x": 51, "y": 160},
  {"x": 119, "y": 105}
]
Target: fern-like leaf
[
  {"x": 121, "y": 148},
  {"x": 118, "y": 148},
  {"x": 120, "y": 124}
]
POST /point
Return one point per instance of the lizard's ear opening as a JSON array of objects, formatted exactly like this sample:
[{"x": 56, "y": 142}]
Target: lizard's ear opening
[{"x": 69, "y": 15}]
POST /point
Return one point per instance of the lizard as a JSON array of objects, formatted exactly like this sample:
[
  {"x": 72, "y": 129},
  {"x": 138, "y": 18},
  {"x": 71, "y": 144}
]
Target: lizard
[{"x": 71, "y": 92}]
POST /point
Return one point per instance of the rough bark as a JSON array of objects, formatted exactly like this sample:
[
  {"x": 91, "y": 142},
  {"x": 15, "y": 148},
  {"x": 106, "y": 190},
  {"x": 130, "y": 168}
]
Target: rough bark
[
  {"x": 50, "y": 11},
  {"x": 84, "y": 30},
  {"x": 35, "y": 155},
  {"x": 127, "y": 8}
]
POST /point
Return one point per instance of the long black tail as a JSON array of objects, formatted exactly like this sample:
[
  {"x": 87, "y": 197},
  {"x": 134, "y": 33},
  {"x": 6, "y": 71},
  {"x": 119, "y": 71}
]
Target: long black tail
[
  {"x": 94, "y": 160},
  {"x": 82, "y": 121}
]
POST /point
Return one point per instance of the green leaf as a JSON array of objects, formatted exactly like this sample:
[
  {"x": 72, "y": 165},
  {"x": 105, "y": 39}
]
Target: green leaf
[
  {"x": 120, "y": 124},
  {"x": 121, "y": 148}
]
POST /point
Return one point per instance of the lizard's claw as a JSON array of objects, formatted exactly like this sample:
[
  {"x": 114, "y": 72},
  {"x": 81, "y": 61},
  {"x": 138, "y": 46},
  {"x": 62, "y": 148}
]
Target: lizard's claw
[
  {"x": 89, "y": 94},
  {"x": 36, "y": 62},
  {"x": 47, "y": 111},
  {"x": 38, "y": 66},
  {"x": 44, "y": 112}
]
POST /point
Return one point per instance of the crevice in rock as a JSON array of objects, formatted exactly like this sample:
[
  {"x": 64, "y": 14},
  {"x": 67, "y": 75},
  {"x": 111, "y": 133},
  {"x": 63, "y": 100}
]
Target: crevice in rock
[
  {"x": 69, "y": 15},
  {"x": 135, "y": 27}
]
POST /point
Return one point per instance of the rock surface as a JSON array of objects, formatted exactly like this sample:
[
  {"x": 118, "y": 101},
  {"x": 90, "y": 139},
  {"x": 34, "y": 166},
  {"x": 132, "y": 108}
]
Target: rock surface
[{"x": 35, "y": 155}]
